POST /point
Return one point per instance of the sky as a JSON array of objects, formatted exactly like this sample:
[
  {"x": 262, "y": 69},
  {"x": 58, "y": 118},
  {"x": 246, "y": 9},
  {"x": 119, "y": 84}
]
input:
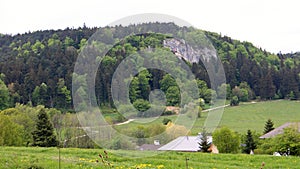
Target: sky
[{"x": 273, "y": 25}]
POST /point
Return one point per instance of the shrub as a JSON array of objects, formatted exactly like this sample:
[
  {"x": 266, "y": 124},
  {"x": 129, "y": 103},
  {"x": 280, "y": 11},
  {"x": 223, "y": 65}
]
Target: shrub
[
  {"x": 166, "y": 121},
  {"x": 168, "y": 112}
]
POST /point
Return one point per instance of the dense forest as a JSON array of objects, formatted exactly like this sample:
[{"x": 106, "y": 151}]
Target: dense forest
[{"x": 37, "y": 67}]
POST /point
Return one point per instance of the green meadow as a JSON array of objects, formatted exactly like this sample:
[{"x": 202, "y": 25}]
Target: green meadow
[
  {"x": 73, "y": 158},
  {"x": 252, "y": 115}
]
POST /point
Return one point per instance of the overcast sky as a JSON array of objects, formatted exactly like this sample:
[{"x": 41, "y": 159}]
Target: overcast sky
[{"x": 271, "y": 24}]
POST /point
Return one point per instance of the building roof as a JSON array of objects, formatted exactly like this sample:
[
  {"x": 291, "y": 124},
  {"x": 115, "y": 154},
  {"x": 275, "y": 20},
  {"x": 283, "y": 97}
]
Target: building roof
[
  {"x": 280, "y": 130},
  {"x": 184, "y": 143}
]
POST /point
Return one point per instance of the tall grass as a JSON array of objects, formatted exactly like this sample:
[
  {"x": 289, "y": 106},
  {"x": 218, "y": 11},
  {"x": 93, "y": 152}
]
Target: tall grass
[{"x": 22, "y": 157}]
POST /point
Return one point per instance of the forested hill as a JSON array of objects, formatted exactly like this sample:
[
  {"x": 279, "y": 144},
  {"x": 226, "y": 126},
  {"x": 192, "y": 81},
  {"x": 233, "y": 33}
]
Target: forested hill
[{"x": 37, "y": 67}]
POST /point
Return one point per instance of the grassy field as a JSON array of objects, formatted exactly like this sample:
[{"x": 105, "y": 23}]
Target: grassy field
[
  {"x": 21, "y": 157},
  {"x": 246, "y": 116},
  {"x": 240, "y": 118},
  {"x": 254, "y": 116}
]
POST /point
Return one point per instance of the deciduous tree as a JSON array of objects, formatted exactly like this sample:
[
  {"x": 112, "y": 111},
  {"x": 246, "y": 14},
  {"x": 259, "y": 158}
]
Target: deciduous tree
[{"x": 226, "y": 140}]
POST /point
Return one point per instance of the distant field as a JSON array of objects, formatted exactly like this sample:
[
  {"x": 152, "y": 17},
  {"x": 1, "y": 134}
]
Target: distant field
[
  {"x": 246, "y": 116},
  {"x": 254, "y": 115},
  {"x": 14, "y": 157}
]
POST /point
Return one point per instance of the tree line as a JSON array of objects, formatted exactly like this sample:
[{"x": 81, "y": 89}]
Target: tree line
[{"x": 37, "y": 68}]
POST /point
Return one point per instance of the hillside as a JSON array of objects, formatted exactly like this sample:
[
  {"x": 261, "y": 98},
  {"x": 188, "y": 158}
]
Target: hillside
[
  {"x": 37, "y": 67},
  {"x": 243, "y": 117}
]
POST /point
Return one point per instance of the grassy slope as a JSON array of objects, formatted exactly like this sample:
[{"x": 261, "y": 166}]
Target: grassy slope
[
  {"x": 246, "y": 116},
  {"x": 254, "y": 116},
  {"x": 13, "y": 157}
]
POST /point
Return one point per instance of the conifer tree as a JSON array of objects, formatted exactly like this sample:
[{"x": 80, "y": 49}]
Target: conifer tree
[
  {"x": 204, "y": 144},
  {"x": 43, "y": 136},
  {"x": 269, "y": 126},
  {"x": 250, "y": 143}
]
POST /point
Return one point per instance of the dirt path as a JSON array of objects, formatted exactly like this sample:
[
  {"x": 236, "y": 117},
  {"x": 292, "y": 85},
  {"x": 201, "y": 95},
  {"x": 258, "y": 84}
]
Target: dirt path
[
  {"x": 125, "y": 122},
  {"x": 215, "y": 108}
]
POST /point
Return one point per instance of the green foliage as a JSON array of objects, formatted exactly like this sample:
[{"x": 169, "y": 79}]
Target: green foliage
[
  {"x": 49, "y": 56},
  {"x": 119, "y": 143},
  {"x": 11, "y": 133},
  {"x": 40, "y": 95},
  {"x": 54, "y": 41},
  {"x": 242, "y": 94},
  {"x": 134, "y": 92},
  {"x": 204, "y": 145},
  {"x": 286, "y": 143},
  {"x": 234, "y": 101},
  {"x": 141, "y": 105},
  {"x": 140, "y": 87},
  {"x": 169, "y": 86},
  {"x": 144, "y": 77},
  {"x": 4, "y": 96},
  {"x": 289, "y": 63},
  {"x": 63, "y": 97},
  {"x": 289, "y": 141},
  {"x": 68, "y": 42},
  {"x": 23, "y": 119},
  {"x": 250, "y": 143},
  {"x": 44, "y": 136},
  {"x": 167, "y": 82},
  {"x": 222, "y": 91},
  {"x": 226, "y": 140},
  {"x": 173, "y": 96},
  {"x": 166, "y": 121},
  {"x": 37, "y": 47},
  {"x": 269, "y": 126},
  {"x": 168, "y": 112},
  {"x": 204, "y": 92}
]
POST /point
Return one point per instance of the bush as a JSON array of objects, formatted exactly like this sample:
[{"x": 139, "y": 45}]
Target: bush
[
  {"x": 167, "y": 113},
  {"x": 166, "y": 121},
  {"x": 141, "y": 105},
  {"x": 234, "y": 101},
  {"x": 226, "y": 140}
]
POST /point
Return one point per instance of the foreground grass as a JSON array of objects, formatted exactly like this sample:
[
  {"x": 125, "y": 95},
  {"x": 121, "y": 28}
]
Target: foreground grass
[{"x": 22, "y": 157}]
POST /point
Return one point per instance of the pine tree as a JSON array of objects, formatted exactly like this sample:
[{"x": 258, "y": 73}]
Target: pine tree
[
  {"x": 269, "y": 126},
  {"x": 250, "y": 143},
  {"x": 204, "y": 145},
  {"x": 43, "y": 136}
]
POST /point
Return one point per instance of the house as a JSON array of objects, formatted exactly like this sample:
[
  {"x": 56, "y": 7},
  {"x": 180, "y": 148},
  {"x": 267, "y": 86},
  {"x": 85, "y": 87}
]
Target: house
[
  {"x": 280, "y": 129},
  {"x": 184, "y": 143}
]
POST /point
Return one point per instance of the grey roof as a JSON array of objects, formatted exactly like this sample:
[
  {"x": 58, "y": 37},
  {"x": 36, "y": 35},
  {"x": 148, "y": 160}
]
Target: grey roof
[
  {"x": 184, "y": 143},
  {"x": 280, "y": 130}
]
